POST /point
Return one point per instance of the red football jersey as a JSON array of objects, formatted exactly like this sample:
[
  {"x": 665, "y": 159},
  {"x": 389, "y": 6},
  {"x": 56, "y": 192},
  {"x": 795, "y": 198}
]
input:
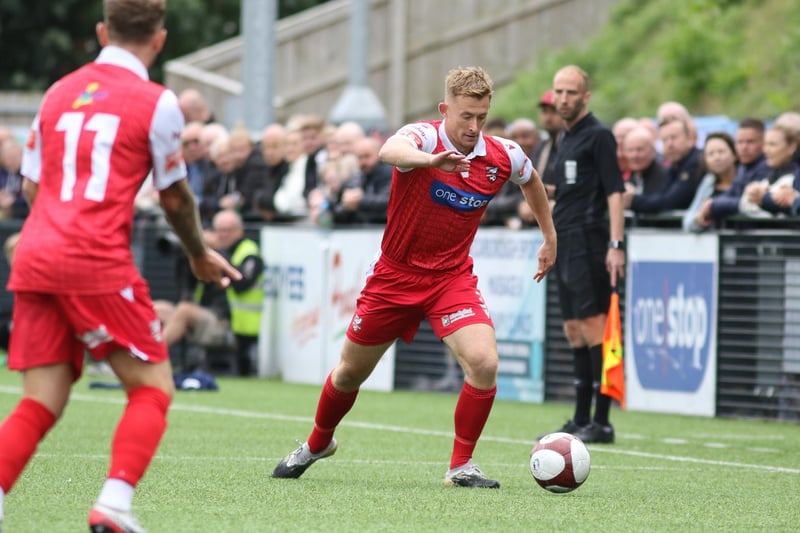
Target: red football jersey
[
  {"x": 99, "y": 132},
  {"x": 433, "y": 215}
]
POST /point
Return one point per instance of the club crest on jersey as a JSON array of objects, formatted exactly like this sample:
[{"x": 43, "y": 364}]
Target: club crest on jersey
[
  {"x": 173, "y": 161},
  {"x": 30, "y": 144},
  {"x": 415, "y": 137},
  {"x": 91, "y": 93},
  {"x": 491, "y": 173}
]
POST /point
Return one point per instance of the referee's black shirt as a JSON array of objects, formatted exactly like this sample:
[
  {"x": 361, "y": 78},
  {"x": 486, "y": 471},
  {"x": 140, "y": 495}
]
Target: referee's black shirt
[{"x": 587, "y": 172}]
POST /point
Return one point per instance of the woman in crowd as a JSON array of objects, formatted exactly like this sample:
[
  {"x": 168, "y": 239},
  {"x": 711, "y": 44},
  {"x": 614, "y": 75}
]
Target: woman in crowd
[
  {"x": 778, "y": 192},
  {"x": 720, "y": 161}
]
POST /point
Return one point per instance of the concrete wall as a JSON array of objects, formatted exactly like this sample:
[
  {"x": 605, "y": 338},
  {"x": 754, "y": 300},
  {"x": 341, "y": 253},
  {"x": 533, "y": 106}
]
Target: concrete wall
[
  {"x": 413, "y": 44},
  {"x": 17, "y": 110}
]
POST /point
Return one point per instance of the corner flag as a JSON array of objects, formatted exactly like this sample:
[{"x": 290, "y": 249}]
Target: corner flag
[{"x": 612, "y": 380}]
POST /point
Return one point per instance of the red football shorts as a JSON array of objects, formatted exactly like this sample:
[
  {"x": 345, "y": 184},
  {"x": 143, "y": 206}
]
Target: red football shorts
[
  {"x": 395, "y": 299},
  {"x": 61, "y": 328}
]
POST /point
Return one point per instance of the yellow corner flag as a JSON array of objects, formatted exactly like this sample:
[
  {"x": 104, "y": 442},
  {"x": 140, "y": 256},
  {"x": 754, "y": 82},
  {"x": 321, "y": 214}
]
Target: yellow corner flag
[{"x": 612, "y": 381}]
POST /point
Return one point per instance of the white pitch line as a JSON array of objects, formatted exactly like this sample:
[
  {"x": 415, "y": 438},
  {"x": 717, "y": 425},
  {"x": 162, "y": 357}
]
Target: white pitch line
[
  {"x": 418, "y": 431},
  {"x": 733, "y": 436},
  {"x": 762, "y": 450},
  {"x": 339, "y": 460},
  {"x": 684, "y": 459}
]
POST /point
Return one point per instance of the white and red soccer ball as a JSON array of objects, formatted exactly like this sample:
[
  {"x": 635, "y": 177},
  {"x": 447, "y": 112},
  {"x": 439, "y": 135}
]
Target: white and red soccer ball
[{"x": 560, "y": 462}]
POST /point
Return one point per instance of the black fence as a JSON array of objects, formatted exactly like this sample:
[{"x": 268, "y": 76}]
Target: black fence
[
  {"x": 758, "y": 322},
  {"x": 758, "y": 345}
]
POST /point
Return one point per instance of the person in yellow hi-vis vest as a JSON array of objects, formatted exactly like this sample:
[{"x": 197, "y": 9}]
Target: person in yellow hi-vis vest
[
  {"x": 201, "y": 316},
  {"x": 245, "y": 296}
]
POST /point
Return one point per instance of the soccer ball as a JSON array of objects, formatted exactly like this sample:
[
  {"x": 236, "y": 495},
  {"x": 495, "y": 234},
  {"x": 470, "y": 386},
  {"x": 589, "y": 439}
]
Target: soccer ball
[{"x": 560, "y": 462}]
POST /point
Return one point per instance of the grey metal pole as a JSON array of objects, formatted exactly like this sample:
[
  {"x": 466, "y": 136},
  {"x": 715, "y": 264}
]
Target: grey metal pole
[
  {"x": 358, "y": 102},
  {"x": 359, "y": 43},
  {"x": 258, "y": 60},
  {"x": 397, "y": 63}
]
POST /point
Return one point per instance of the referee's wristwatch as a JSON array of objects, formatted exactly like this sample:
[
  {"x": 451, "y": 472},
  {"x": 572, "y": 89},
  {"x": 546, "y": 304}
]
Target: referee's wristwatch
[{"x": 617, "y": 245}]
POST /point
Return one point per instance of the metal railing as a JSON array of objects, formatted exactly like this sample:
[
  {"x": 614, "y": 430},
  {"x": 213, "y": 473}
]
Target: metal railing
[{"x": 758, "y": 321}]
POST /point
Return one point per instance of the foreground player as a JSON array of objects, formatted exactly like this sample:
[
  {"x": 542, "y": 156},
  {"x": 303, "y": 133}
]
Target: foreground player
[
  {"x": 446, "y": 172},
  {"x": 98, "y": 133}
]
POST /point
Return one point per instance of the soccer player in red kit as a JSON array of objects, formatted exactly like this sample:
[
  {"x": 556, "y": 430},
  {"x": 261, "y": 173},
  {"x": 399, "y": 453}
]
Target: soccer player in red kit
[
  {"x": 99, "y": 131},
  {"x": 445, "y": 173}
]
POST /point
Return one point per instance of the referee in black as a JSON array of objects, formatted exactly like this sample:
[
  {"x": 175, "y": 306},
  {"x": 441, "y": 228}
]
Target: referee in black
[{"x": 589, "y": 219}]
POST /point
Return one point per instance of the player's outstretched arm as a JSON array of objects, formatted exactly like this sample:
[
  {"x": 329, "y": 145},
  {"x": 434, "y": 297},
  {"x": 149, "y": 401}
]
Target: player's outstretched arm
[
  {"x": 180, "y": 209},
  {"x": 401, "y": 152},
  {"x": 536, "y": 198}
]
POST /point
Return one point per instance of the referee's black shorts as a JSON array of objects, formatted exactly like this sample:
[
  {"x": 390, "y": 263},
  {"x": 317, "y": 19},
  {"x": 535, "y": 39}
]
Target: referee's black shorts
[{"x": 584, "y": 285}]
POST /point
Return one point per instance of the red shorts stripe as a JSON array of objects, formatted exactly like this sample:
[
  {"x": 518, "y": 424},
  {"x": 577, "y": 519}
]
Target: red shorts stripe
[{"x": 61, "y": 328}]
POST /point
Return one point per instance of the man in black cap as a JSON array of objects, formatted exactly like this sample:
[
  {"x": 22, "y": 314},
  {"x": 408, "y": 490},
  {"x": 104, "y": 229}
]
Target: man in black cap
[{"x": 544, "y": 157}]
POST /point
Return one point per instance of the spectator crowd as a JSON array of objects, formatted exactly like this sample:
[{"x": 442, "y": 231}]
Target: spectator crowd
[
  {"x": 719, "y": 180},
  {"x": 303, "y": 171},
  {"x": 308, "y": 171}
]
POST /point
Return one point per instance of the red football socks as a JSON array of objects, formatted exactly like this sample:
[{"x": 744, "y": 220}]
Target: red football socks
[
  {"x": 138, "y": 433},
  {"x": 20, "y": 434},
  {"x": 472, "y": 412},
  {"x": 333, "y": 405}
]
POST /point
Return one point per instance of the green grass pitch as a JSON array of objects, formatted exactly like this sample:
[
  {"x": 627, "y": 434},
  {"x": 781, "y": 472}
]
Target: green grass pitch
[{"x": 212, "y": 471}]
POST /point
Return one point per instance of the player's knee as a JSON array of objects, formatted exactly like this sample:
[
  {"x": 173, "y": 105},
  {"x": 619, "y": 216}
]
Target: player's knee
[
  {"x": 481, "y": 368},
  {"x": 487, "y": 366},
  {"x": 168, "y": 388},
  {"x": 165, "y": 386},
  {"x": 55, "y": 406},
  {"x": 349, "y": 377},
  {"x": 154, "y": 395},
  {"x": 146, "y": 376},
  {"x": 165, "y": 382}
]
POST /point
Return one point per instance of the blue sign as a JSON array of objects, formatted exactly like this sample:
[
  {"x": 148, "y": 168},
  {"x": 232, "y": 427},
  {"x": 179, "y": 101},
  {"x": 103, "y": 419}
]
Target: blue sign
[
  {"x": 670, "y": 315},
  {"x": 446, "y": 195},
  {"x": 284, "y": 278}
]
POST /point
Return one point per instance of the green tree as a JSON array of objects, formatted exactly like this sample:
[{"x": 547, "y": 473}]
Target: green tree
[
  {"x": 43, "y": 39},
  {"x": 732, "y": 57}
]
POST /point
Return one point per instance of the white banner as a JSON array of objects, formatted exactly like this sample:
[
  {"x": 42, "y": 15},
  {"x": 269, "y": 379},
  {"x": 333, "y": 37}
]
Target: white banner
[
  {"x": 505, "y": 262},
  {"x": 291, "y": 339},
  {"x": 311, "y": 281},
  {"x": 313, "y": 278},
  {"x": 349, "y": 255}
]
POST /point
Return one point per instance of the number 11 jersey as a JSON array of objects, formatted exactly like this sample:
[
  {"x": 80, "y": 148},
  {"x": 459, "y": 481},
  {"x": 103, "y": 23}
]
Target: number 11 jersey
[{"x": 99, "y": 132}]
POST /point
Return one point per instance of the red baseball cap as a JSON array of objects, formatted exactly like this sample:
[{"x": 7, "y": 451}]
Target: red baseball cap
[{"x": 547, "y": 99}]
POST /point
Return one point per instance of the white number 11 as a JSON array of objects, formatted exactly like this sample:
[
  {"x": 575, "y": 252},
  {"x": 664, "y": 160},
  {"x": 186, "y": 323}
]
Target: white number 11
[{"x": 105, "y": 127}]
